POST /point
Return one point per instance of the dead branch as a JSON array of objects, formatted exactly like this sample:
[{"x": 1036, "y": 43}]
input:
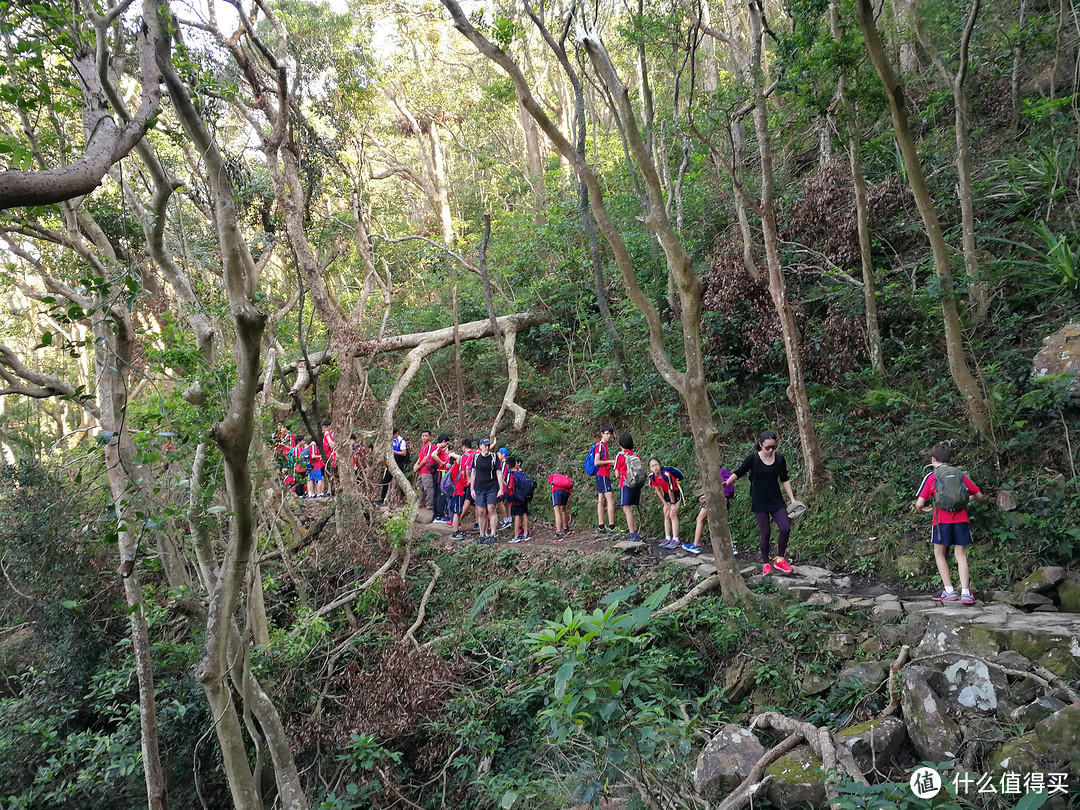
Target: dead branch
[
  {"x": 410, "y": 633},
  {"x": 705, "y": 586},
  {"x": 355, "y": 592},
  {"x": 894, "y": 679}
]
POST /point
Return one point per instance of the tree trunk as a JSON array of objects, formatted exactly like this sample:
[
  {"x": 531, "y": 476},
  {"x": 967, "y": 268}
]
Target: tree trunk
[
  {"x": 811, "y": 449},
  {"x": 459, "y": 382},
  {"x": 535, "y": 163},
  {"x": 954, "y": 338},
  {"x": 481, "y": 256},
  {"x": 873, "y": 329},
  {"x": 441, "y": 184}
]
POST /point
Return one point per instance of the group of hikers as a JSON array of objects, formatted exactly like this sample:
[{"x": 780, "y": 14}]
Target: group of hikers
[{"x": 452, "y": 481}]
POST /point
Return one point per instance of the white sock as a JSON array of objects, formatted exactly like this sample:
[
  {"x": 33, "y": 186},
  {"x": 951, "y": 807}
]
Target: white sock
[
  {"x": 966, "y": 591},
  {"x": 950, "y": 590},
  {"x": 667, "y": 538},
  {"x": 676, "y": 539}
]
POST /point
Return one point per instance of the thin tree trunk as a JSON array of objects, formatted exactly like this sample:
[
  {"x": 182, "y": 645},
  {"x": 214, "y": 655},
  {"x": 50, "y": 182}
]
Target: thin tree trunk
[
  {"x": 954, "y": 337},
  {"x": 534, "y": 162},
  {"x": 481, "y": 262},
  {"x": 811, "y": 448},
  {"x": 873, "y": 329},
  {"x": 458, "y": 379}
]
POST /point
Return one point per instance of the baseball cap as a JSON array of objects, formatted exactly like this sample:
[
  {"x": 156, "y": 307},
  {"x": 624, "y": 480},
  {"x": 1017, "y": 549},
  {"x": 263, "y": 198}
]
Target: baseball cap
[
  {"x": 483, "y": 440},
  {"x": 504, "y": 451}
]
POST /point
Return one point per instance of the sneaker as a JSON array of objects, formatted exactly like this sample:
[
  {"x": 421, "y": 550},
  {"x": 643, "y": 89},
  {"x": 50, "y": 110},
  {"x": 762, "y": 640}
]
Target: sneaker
[
  {"x": 447, "y": 521},
  {"x": 635, "y": 538},
  {"x": 611, "y": 529},
  {"x": 782, "y": 565},
  {"x": 559, "y": 537},
  {"x": 967, "y": 598},
  {"x": 601, "y": 530},
  {"x": 946, "y": 596},
  {"x": 379, "y": 502},
  {"x": 517, "y": 538},
  {"x": 490, "y": 540},
  {"x": 506, "y": 523},
  {"x": 766, "y": 570},
  {"x": 691, "y": 548},
  {"x": 734, "y": 551},
  {"x": 458, "y": 535},
  {"x": 668, "y": 544},
  {"x": 476, "y": 527},
  {"x": 525, "y": 538}
]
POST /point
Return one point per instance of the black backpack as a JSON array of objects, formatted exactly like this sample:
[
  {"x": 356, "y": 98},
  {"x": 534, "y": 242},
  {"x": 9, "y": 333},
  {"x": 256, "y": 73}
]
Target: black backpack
[
  {"x": 523, "y": 487},
  {"x": 950, "y": 492}
]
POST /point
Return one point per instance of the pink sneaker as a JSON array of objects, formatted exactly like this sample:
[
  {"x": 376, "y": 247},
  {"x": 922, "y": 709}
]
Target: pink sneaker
[
  {"x": 782, "y": 565},
  {"x": 766, "y": 570}
]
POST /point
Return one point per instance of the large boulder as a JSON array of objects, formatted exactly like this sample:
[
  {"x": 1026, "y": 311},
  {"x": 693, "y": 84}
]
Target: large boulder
[
  {"x": 970, "y": 684},
  {"x": 1041, "y": 579},
  {"x": 874, "y": 743},
  {"x": 1039, "y": 709},
  {"x": 797, "y": 779},
  {"x": 935, "y": 735},
  {"x": 726, "y": 760},
  {"x": 1060, "y": 354},
  {"x": 1060, "y": 733}
]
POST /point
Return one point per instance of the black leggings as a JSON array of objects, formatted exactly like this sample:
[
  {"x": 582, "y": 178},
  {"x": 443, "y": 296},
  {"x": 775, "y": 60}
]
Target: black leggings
[
  {"x": 781, "y": 519},
  {"x": 387, "y": 479}
]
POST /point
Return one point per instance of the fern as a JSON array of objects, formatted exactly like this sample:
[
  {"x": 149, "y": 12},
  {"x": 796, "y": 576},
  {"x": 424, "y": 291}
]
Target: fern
[{"x": 485, "y": 598}]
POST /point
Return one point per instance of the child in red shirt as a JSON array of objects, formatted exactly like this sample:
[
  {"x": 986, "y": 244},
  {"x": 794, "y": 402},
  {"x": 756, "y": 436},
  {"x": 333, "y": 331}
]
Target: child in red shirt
[{"x": 669, "y": 491}]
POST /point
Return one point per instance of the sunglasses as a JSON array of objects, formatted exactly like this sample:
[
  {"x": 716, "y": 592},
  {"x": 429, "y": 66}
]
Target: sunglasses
[{"x": 768, "y": 447}]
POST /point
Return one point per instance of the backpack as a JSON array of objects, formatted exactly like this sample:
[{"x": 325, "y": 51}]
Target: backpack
[
  {"x": 590, "y": 461},
  {"x": 560, "y": 481},
  {"x": 521, "y": 491},
  {"x": 635, "y": 471},
  {"x": 447, "y": 484},
  {"x": 674, "y": 472},
  {"x": 950, "y": 492}
]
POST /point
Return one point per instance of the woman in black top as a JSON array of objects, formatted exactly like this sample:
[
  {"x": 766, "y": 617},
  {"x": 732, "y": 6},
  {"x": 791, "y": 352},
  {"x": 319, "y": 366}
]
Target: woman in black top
[{"x": 768, "y": 471}]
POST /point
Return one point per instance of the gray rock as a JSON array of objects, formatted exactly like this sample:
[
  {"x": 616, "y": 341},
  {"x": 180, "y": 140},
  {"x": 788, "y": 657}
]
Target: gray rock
[
  {"x": 678, "y": 559},
  {"x": 797, "y": 779},
  {"x": 629, "y": 546},
  {"x": 864, "y": 546},
  {"x": 814, "y": 683},
  {"x": 1060, "y": 733},
  {"x": 887, "y": 597},
  {"x": 749, "y": 570},
  {"x": 704, "y": 571},
  {"x": 726, "y": 760},
  {"x": 970, "y": 684},
  {"x": 933, "y": 733},
  {"x": 1060, "y": 354},
  {"x": 874, "y": 744},
  {"x": 842, "y": 644},
  {"x": 812, "y": 573},
  {"x": 802, "y": 592},
  {"x": 891, "y": 612},
  {"x": 1034, "y": 599},
  {"x": 821, "y": 599},
  {"x": 869, "y": 674},
  {"x": 912, "y": 564},
  {"x": 842, "y": 583},
  {"x": 1046, "y": 609},
  {"x": 1042, "y": 579},
  {"x": 1038, "y": 709},
  {"x": 1006, "y": 501}
]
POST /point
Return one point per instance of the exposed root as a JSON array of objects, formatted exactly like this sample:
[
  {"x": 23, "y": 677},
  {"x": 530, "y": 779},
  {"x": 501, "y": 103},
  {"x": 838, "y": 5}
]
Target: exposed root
[
  {"x": 355, "y": 592},
  {"x": 820, "y": 740},
  {"x": 410, "y": 633},
  {"x": 753, "y": 783}
]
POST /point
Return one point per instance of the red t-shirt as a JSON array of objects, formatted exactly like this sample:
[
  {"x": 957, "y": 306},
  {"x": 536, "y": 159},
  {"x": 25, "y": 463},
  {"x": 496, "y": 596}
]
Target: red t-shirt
[
  {"x": 459, "y": 474},
  {"x": 439, "y": 460},
  {"x": 665, "y": 482},
  {"x": 315, "y": 456},
  {"x": 329, "y": 449},
  {"x": 603, "y": 467},
  {"x": 927, "y": 490},
  {"x": 421, "y": 458}
]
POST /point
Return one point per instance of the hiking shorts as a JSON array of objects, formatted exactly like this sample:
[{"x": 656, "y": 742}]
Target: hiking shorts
[
  {"x": 457, "y": 503},
  {"x": 518, "y": 509},
  {"x": 316, "y": 475},
  {"x": 603, "y": 484},
  {"x": 629, "y": 496},
  {"x": 560, "y": 497},
  {"x": 952, "y": 534},
  {"x": 486, "y": 497}
]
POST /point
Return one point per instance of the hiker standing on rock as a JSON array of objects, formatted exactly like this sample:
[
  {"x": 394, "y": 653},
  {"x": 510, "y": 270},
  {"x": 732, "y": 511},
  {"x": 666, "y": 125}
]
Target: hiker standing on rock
[
  {"x": 951, "y": 490},
  {"x": 768, "y": 471}
]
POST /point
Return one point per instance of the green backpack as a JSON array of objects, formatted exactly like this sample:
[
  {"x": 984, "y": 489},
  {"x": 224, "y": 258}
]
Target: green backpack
[{"x": 950, "y": 492}]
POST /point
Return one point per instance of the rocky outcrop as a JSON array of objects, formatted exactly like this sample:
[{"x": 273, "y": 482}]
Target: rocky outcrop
[
  {"x": 1060, "y": 734},
  {"x": 726, "y": 760},
  {"x": 1060, "y": 354},
  {"x": 934, "y": 734}
]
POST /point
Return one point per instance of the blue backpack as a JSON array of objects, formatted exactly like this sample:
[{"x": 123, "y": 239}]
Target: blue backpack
[
  {"x": 675, "y": 473},
  {"x": 447, "y": 484},
  {"x": 523, "y": 487},
  {"x": 590, "y": 461}
]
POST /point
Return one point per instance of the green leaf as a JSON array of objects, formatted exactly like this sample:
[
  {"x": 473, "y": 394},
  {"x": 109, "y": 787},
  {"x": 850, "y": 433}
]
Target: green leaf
[
  {"x": 1032, "y": 801},
  {"x": 508, "y": 799},
  {"x": 620, "y": 595},
  {"x": 565, "y": 673},
  {"x": 46, "y": 338},
  {"x": 70, "y": 604}
]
